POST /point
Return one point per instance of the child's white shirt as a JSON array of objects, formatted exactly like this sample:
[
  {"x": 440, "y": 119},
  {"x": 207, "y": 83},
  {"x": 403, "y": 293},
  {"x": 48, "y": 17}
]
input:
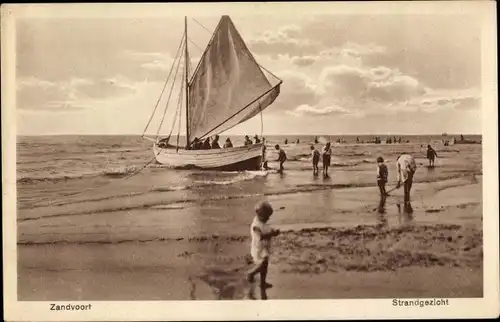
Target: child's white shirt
[{"x": 259, "y": 248}]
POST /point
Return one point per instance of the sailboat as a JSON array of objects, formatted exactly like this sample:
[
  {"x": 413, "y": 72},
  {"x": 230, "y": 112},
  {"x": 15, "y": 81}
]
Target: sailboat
[{"x": 228, "y": 87}]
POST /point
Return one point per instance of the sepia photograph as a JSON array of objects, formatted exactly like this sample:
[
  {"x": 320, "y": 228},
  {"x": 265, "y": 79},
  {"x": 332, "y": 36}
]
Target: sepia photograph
[{"x": 189, "y": 153}]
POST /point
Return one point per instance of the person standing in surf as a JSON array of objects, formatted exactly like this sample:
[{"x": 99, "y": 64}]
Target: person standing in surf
[
  {"x": 431, "y": 155},
  {"x": 264, "y": 165},
  {"x": 260, "y": 250},
  {"x": 315, "y": 160},
  {"x": 281, "y": 157},
  {"x": 327, "y": 157},
  {"x": 382, "y": 175},
  {"x": 406, "y": 168}
]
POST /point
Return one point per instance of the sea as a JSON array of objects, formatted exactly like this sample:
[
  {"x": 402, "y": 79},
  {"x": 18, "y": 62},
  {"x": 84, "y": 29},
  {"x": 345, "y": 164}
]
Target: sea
[{"x": 104, "y": 160}]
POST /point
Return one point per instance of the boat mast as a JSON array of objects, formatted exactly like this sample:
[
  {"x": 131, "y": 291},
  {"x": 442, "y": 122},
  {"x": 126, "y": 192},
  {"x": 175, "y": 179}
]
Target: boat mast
[{"x": 186, "y": 76}]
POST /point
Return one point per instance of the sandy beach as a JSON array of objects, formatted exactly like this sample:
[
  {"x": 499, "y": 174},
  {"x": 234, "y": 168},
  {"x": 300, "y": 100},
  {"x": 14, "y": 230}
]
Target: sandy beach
[{"x": 169, "y": 243}]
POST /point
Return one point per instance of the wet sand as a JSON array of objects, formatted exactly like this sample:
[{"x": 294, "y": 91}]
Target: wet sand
[{"x": 434, "y": 252}]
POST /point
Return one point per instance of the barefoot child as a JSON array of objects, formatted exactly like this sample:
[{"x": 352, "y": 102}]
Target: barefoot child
[
  {"x": 327, "y": 156},
  {"x": 431, "y": 155},
  {"x": 315, "y": 160},
  {"x": 382, "y": 174},
  {"x": 261, "y": 234}
]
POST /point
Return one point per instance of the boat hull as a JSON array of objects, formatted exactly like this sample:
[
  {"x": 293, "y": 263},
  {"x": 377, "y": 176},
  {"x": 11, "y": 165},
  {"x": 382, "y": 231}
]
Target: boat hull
[{"x": 232, "y": 159}]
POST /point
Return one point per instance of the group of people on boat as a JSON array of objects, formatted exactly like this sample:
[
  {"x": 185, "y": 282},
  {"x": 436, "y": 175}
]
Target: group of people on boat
[
  {"x": 208, "y": 143},
  {"x": 248, "y": 141}
]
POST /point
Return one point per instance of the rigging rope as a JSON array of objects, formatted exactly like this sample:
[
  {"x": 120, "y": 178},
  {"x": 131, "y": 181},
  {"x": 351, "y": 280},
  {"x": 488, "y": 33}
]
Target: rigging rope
[
  {"x": 201, "y": 25},
  {"x": 179, "y": 102},
  {"x": 169, "y": 96},
  {"x": 164, "y": 86},
  {"x": 180, "y": 114},
  {"x": 195, "y": 44},
  {"x": 261, "y": 122}
]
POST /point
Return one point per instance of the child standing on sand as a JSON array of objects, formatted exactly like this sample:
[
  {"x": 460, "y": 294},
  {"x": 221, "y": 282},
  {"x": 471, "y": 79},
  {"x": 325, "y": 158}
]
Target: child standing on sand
[
  {"x": 261, "y": 234},
  {"x": 315, "y": 160},
  {"x": 382, "y": 175},
  {"x": 431, "y": 155}
]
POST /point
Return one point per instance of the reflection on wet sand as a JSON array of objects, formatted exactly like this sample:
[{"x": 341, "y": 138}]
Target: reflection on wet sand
[
  {"x": 227, "y": 285},
  {"x": 405, "y": 216},
  {"x": 382, "y": 218},
  {"x": 251, "y": 292}
]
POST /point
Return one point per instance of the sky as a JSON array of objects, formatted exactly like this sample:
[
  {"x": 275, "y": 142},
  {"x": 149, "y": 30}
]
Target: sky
[{"x": 342, "y": 74}]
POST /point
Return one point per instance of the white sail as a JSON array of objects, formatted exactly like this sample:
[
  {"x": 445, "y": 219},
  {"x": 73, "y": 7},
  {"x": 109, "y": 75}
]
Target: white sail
[{"x": 228, "y": 86}]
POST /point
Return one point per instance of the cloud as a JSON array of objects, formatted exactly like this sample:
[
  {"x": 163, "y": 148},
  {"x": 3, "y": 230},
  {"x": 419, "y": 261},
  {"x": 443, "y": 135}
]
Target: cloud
[
  {"x": 306, "y": 109},
  {"x": 380, "y": 83},
  {"x": 302, "y": 61},
  {"x": 75, "y": 93},
  {"x": 285, "y": 39},
  {"x": 459, "y": 100},
  {"x": 297, "y": 89}
]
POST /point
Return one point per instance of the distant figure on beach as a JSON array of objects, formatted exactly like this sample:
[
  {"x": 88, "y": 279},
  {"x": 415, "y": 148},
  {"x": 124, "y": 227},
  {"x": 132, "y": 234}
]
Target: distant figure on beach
[
  {"x": 461, "y": 137},
  {"x": 248, "y": 141},
  {"x": 206, "y": 144},
  {"x": 257, "y": 140},
  {"x": 281, "y": 157},
  {"x": 399, "y": 140},
  {"x": 316, "y": 140},
  {"x": 286, "y": 141},
  {"x": 315, "y": 160},
  {"x": 215, "y": 142},
  {"x": 382, "y": 175},
  {"x": 260, "y": 250},
  {"x": 431, "y": 155},
  {"x": 357, "y": 139},
  {"x": 406, "y": 167},
  {"x": 298, "y": 141},
  {"x": 327, "y": 157},
  {"x": 228, "y": 144}
]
